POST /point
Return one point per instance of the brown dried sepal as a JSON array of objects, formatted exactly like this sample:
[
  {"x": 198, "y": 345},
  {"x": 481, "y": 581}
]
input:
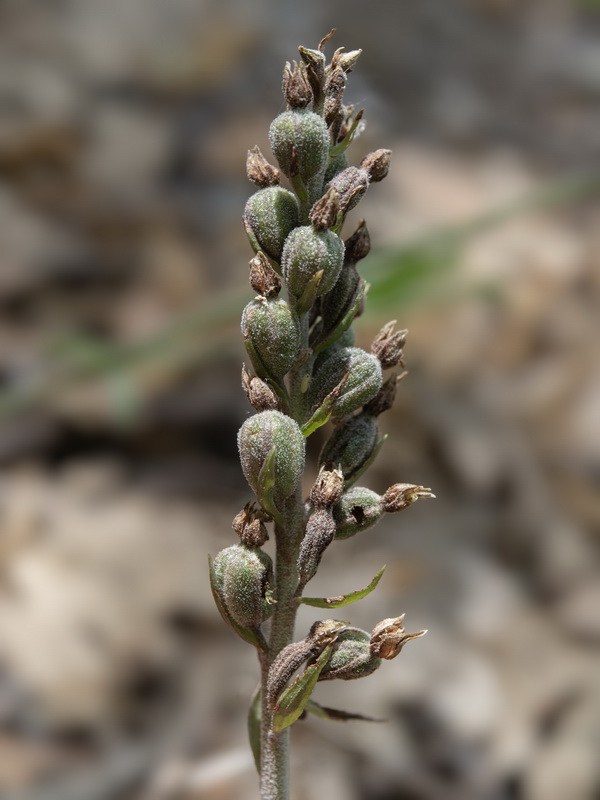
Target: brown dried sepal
[
  {"x": 249, "y": 524},
  {"x": 388, "y": 637},
  {"x": 263, "y": 277},
  {"x": 388, "y": 346},
  {"x": 401, "y": 495},
  {"x": 357, "y": 246},
  {"x": 345, "y": 61},
  {"x": 377, "y": 164},
  {"x": 325, "y": 212},
  {"x": 260, "y": 171},
  {"x": 384, "y": 399},
  {"x": 327, "y": 488},
  {"x": 260, "y": 395},
  {"x": 296, "y": 86}
]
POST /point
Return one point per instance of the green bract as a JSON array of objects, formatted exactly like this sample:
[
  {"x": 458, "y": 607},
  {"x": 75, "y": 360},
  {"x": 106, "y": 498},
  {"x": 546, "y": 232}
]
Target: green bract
[
  {"x": 272, "y": 328},
  {"x": 356, "y": 511},
  {"x": 269, "y": 216},
  {"x": 363, "y": 382},
  {"x": 267, "y": 431},
  {"x": 307, "y": 252},
  {"x": 300, "y": 142}
]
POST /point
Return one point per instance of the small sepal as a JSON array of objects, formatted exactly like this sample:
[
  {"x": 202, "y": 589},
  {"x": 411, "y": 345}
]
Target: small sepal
[
  {"x": 388, "y": 637},
  {"x": 296, "y": 86},
  {"x": 357, "y": 246},
  {"x": 402, "y": 495},
  {"x": 327, "y": 489},
  {"x": 260, "y": 395},
  {"x": 259, "y": 170},
  {"x": 343, "y": 599},
  {"x": 388, "y": 346},
  {"x": 377, "y": 164},
  {"x": 263, "y": 278},
  {"x": 249, "y": 524}
]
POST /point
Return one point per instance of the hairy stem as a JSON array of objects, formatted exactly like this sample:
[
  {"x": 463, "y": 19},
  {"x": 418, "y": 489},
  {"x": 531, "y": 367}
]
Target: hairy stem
[{"x": 274, "y": 778}]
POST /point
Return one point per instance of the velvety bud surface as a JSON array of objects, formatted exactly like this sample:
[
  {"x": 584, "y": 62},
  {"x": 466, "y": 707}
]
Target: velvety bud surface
[
  {"x": 350, "y": 445},
  {"x": 308, "y": 251},
  {"x": 356, "y": 511},
  {"x": 244, "y": 578},
  {"x": 300, "y": 142},
  {"x": 351, "y": 658},
  {"x": 363, "y": 383},
  {"x": 272, "y": 327},
  {"x": 258, "y": 436},
  {"x": 269, "y": 216}
]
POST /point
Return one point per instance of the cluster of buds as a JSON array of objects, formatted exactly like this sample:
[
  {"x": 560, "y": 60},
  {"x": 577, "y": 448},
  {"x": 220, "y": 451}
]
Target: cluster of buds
[{"x": 306, "y": 372}]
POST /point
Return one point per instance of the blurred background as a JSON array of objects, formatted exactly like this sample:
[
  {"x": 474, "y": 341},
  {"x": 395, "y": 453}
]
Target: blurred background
[{"x": 124, "y": 127}]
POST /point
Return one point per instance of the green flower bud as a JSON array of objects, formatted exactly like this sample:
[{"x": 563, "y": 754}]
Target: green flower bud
[
  {"x": 244, "y": 580},
  {"x": 350, "y": 445},
  {"x": 356, "y": 511},
  {"x": 264, "y": 432},
  {"x": 272, "y": 329},
  {"x": 307, "y": 252},
  {"x": 362, "y": 374},
  {"x": 269, "y": 217},
  {"x": 300, "y": 142},
  {"x": 351, "y": 658}
]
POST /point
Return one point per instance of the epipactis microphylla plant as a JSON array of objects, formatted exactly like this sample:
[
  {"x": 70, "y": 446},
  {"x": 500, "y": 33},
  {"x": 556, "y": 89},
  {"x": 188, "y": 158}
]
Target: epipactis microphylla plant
[{"x": 306, "y": 372}]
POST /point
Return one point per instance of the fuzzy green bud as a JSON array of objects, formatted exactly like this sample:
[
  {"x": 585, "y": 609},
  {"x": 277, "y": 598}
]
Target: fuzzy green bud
[
  {"x": 351, "y": 657},
  {"x": 244, "y": 581},
  {"x": 300, "y": 142},
  {"x": 357, "y": 510},
  {"x": 264, "y": 432},
  {"x": 269, "y": 216},
  {"x": 361, "y": 373},
  {"x": 351, "y": 445},
  {"x": 271, "y": 327},
  {"x": 307, "y": 252}
]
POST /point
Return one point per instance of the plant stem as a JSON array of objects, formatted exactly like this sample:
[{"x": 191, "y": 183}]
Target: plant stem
[{"x": 274, "y": 774}]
